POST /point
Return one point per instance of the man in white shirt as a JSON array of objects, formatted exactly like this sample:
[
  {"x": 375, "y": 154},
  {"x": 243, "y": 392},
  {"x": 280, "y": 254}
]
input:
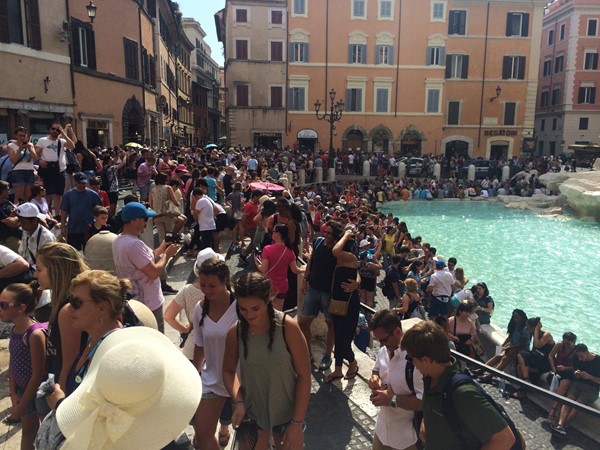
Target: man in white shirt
[
  {"x": 205, "y": 213},
  {"x": 35, "y": 235},
  {"x": 13, "y": 268},
  {"x": 397, "y": 387},
  {"x": 440, "y": 288}
]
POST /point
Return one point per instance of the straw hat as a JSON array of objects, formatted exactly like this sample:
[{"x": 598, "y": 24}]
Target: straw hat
[
  {"x": 139, "y": 392},
  {"x": 143, "y": 313}
]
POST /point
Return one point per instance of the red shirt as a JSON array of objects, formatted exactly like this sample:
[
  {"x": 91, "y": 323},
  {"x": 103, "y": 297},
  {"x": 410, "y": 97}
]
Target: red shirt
[
  {"x": 280, "y": 257},
  {"x": 250, "y": 211}
]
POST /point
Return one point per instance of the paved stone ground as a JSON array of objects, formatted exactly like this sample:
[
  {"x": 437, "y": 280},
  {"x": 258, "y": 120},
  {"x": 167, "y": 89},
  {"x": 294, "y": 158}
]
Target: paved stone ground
[{"x": 340, "y": 415}]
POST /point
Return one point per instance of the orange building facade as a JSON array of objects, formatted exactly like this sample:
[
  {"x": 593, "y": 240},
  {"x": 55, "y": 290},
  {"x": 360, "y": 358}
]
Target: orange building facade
[{"x": 416, "y": 76}]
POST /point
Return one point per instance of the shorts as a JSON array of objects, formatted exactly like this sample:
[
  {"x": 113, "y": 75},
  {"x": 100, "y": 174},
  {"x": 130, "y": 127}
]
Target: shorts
[
  {"x": 314, "y": 302},
  {"x": 226, "y": 411},
  {"x": 368, "y": 284},
  {"x": 221, "y": 222},
  {"x": 583, "y": 392},
  {"x": 21, "y": 177},
  {"x": 439, "y": 308},
  {"x": 113, "y": 197},
  {"x": 55, "y": 185},
  {"x": 30, "y": 408}
]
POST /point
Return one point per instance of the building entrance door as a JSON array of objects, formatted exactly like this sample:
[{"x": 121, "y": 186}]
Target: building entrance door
[{"x": 499, "y": 150}]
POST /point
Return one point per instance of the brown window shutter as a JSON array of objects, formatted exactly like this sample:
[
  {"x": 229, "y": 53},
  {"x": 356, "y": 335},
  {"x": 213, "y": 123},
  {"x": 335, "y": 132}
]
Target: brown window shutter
[
  {"x": 4, "y": 34},
  {"x": 33, "y": 19}
]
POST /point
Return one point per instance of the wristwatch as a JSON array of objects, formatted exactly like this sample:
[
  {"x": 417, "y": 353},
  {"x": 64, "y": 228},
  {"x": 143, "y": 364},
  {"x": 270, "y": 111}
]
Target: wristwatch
[{"x": 393, "y": 403}]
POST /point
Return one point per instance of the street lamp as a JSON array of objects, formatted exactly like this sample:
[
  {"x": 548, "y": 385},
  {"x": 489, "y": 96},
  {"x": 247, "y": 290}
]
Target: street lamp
[
  {"x": 91, "y": 11},
  {"x": 498, "y": 91},
  {"x": 334, "y": 115}
]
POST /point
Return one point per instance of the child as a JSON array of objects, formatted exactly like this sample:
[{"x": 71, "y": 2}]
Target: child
[
  {"x": 100, "y": 222},
  {"x": 95, "y": 184},
  {"x": 27, "y": 357}
]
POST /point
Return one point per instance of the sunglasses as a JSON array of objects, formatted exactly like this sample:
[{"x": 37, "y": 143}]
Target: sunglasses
[
  {"x": 5, "y": 305},
  {"x": 54, "y": 129},
  {"x": 76, "y": 302},
  {"x": 384, "y": 340}
]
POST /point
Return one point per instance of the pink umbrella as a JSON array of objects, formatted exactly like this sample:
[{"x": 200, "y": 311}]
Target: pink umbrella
[{"x": 266, "y": 186}]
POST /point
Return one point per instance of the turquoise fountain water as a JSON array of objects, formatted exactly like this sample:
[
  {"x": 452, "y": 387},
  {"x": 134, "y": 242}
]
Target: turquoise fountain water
[{"x": 547, "y": 266}]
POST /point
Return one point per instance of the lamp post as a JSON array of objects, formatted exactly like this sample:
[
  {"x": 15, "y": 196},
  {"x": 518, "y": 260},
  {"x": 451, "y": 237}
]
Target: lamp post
[
  {"x": 91, "y": 11},
  {"x": 334, "y": 115}
]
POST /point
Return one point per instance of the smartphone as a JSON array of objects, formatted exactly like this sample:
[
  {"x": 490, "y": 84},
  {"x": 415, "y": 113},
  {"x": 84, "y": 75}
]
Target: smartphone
[{"x": 168, "y": 237}]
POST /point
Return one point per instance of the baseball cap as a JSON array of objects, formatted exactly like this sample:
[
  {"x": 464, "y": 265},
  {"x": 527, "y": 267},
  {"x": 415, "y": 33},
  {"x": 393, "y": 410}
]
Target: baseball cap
[
  {"x": 440, "y": 263},
  {"x": 29, "y": 211},
  {"x": 364, "y": 243},
  {"x": 135, "y": 210},
  {"x": 80, "y": 177}
]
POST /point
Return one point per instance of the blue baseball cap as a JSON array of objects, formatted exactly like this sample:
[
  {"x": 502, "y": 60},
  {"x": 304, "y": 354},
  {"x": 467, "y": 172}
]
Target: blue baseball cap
[{"x": 135, "y": 210}]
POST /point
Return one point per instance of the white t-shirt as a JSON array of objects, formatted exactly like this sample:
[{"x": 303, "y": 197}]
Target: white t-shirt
[
  {"x": 441, "y": 280},
  {"x": 31, "y": 243},
  {"x": 206, "y": 215},
  {"x": 131, "y": 255},
  {"x": 211, "y": 336},
  {"x": 7, "y": 256},
  {"x": 394, "y": 426},
  {"x": 24, "y": 164},
  {"x": 187, "y": 298},
  {"x": 50, "y": 151}
]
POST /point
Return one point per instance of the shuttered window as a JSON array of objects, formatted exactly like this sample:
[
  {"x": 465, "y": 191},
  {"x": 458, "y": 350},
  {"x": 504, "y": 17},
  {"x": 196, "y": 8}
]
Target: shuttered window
[
  {"x": 84, "y": 46},
  {"x": 131, "y": 59},
  {"x": 20, "y": 23},
  {"x": 513, "y": 68},
  {"x": 510, "y": 109}
]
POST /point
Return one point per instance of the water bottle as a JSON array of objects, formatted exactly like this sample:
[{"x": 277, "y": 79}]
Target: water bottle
[{"x": 502, "y": 387}]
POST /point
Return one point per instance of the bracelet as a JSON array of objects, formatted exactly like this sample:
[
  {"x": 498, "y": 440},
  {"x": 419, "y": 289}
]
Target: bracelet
[
  {"x": 298, "y": 422},
  {"x": 238, "y": 402}
]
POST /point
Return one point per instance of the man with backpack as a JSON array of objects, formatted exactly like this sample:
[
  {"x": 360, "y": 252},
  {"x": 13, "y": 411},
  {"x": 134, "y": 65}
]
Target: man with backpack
[
  {"x": 397, "y": 387},
  {"x": 457, "y": 413}
]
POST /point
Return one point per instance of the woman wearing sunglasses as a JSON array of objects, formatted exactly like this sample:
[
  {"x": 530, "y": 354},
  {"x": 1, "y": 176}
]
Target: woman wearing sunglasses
[{"x": 56, "y": 265}]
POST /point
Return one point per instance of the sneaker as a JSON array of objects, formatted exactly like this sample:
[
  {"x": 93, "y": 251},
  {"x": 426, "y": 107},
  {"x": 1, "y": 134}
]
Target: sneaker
[
  {"x": 325, "y": 363},
  {"x": 559, "y": 430},
  {"x": 166, "y": 289},
  {"x": 243, "y": 259}
]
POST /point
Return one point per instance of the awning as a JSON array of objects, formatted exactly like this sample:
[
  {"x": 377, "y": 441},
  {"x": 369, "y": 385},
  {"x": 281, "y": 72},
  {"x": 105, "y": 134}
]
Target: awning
[{"x": 307, "y": 133}]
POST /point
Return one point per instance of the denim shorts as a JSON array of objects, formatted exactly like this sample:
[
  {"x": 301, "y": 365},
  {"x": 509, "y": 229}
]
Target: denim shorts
[
  {"x": 315, "y": 301},
  {"x": 21, "y": 177},
  {"x": 438, "y": 307}
]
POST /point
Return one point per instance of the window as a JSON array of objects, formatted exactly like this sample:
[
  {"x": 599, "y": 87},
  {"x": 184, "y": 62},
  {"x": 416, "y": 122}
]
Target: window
[
  {"x": 131, "y": 59},
  {"x": 84, "y": 47},
  {"x": 584, "y": 123},
  {"x": 541, "y": 147},
  {"x": 544, "y": 99},
  {"x": 277, "y": 17},
  {"x": 592, "y": 27},
  {"x": 554, "y": 123},
  {"x": 453, "y": 113},
  {"x": 552, "y": 147},
  {"x": 550, "y": 37},
  {"x": 357, "y": 54},
  {"x": 587, "y": 95},
  {"x": 242, "y": 95},
  {"x": 591, "y": 61},
  {"x": 276, "y": 97},
  {"x": 241, "y": 15},
  {"x": 558, "y": 63},
  {"x": 385, "y": 9},
  {"x": 435, "y": 55},
  {"x": 358, "y": 8},
  {"x": 555, "y": 96},
  {"x": 543, "y": 125},
  {"x": 20, "y": 23},
  {"x": 510, "y": 109},
  {"x": 517, "y": 24},
  {"x": 241, "y": 49},
  {"x": 300, "y": 7},
  {"x": 299, "y": 52},
  {"x": 384, "y": 54},
  {"x": 354, "y": 100},
  {"x": 296, "y": 98},
  {"x": 513, "y": 68},
  {"x": 433, "y": 100},
  {"x": 457, "y": 66},
  {"x": 438, "y": 11},
  {"x": 547, "y": 67},
  {"x": 276, "y": 51},
  {"x": 561, "y": 33},
  {"x": 457, "y": 22},
  {"x": 382, "y": 100}
]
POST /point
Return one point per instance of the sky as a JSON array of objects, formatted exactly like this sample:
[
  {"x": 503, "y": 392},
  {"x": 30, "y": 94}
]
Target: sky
[{"x": 203, "y": 11}]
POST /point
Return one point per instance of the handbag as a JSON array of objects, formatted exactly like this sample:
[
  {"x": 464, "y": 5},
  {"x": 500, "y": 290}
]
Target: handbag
[
  {"x": 170, "y": 209},
  {"x": 555, "y": 382},
  {"x": 339, "y": 307}
]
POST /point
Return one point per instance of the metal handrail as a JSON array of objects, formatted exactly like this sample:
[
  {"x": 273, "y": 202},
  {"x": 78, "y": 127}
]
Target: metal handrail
[{"x": 514, "y": 380}]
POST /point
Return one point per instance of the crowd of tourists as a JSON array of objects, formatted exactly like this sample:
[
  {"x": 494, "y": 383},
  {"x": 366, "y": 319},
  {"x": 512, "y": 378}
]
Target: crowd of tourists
[{"x": 254, "y": 363}]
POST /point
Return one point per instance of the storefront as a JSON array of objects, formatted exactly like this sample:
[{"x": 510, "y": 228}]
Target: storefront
[
  {"x": 307, "y": 140},
  {"x": 267, "y": 139}
]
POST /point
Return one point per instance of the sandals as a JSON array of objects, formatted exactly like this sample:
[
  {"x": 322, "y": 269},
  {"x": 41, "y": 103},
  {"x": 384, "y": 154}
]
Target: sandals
[
  {"x": 224, "y": 439},
  {"x": 519, "y": 394},
  {"x": 351, "y": 373},
  {"x": 331, "y": 377}
]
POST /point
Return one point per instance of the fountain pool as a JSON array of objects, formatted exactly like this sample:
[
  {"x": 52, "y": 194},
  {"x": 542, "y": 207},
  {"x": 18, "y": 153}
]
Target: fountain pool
[{"x": 543, "y": 265}]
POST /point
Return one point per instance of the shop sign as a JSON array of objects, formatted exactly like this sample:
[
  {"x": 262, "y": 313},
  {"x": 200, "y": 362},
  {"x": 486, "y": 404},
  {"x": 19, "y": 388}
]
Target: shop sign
[
  {"x": 500, "y": 132},
  {"x": 307, "y": 133}
]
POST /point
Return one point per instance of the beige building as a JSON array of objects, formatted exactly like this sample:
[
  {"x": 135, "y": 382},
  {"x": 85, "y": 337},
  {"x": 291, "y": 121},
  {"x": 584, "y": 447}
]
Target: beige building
[
  {"x": 254, "y": 37},
  {"x": 568, "y": 109},
  {"x": 36, "y": 87},
  {"x": 451, "y": 77}
]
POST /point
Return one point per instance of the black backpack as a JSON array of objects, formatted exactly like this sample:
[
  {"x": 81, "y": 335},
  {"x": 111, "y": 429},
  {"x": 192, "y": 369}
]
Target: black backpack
[
  {"x": 409, "y": 371},
  {"x": 459, "y": 379},
  {"x": 104, "y": 180},
  {"x": 73, "y": 165}
]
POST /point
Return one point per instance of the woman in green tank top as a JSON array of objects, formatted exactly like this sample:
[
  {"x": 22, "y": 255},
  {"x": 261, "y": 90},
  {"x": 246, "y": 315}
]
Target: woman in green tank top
[{"x": 274, "y": 378}]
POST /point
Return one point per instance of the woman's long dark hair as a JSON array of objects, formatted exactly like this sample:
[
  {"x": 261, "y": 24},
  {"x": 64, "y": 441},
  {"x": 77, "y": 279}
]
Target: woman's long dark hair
[
  {"x": 282, "y": 229},
  {"x": 218, "y": 268},
  {"x": 255, "y": 284},
  {"x": 512, "y": 324}
]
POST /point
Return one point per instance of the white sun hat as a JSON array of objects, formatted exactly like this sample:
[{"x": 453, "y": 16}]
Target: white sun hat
[
  {"x": 139, "y": 392},
  {"x": 204, "y": 255}
]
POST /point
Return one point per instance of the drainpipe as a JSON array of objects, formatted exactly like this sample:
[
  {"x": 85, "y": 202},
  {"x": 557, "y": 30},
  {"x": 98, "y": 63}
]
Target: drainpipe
[
  {"x": 487, "y": 25},
  {"x": 398, "y": 59},
  {"x": 326, "y": 95},
  {"x": 287, "y": 81},
  {"x": 141, "y": 66},
  {"x": 71, "y": 72}
]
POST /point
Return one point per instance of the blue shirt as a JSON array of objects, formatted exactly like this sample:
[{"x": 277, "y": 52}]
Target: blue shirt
[
  {"x": 211, "y": 190},
  {"x": 80, "y": 207}
]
